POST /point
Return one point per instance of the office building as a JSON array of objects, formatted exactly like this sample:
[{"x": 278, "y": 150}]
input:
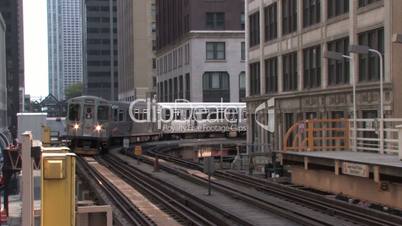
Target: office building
[
  {"x": 200, "y": 50},
  {"x": 100, "y": 48},
  {"x": 136, "y": 32},
  {"x": 287, "y": 40},
  {"x": 65, "y": 45},
  {"x": 13, "y": 18}
]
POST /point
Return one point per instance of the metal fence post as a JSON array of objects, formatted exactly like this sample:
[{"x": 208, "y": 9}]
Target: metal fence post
[
  {"x": 27, "y": 180},
  {"x": 400, "y": 141}
]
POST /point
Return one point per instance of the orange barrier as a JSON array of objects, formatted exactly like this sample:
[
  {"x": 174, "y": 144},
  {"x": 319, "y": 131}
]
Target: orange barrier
[{"x": 318, "y": 134}]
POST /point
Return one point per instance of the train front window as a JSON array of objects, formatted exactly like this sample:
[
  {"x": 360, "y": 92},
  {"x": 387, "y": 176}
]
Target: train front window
[
  {"x": 74, "y": 112},
  {"x": 103, "y": 113}
]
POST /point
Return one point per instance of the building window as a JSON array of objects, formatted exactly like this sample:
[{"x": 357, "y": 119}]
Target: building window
[
  {"x": 271, "y": 22},
  {"x": 170, "y": 90},
  {"x": 243, "y": 50},
  {"x": 337, "y": 7},
  {"x": 166, "y": 96},
  {"x": 188, "y": 88},
  {"x": 216, "y": 87},
  {"x": 311, "y": 12},
  {"x": 242, "y": 85},
  {"x": 181, "y": 90},
  {"x": 160, "y": 95},
  {"x": 215, "y": 50},
  {"x": 242, "y": 21},
  {"x": 271, "y": 75},
  {"x": 289, "y": 16},
  {"x": 254, "y": 21},
  {"x": 369, "y": 64},
  {"x": 290, "y": 71},
  {"x": 363, "y": 3},
  {"x": 312, "y": 67},
  {"x": 175, "y": 89},
  {"x": 255, "y": 79},
  {"x": 215, "y": 21},
  {"x": 338, "y": 70}
]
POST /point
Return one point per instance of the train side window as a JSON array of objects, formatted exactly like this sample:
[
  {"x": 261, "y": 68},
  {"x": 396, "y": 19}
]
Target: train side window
[
  {"x": 74, "y": 112},
  {"x": 103, "y": 113}
]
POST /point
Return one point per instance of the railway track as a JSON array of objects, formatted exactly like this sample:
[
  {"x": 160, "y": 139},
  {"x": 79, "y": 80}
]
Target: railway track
[
  {"x": 317, "y": 202},
  {"x": 194, "y": 210},
  {"x": 125, "y": 206}
]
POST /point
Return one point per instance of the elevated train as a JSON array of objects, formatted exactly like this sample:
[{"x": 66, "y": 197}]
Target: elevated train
[{"x": 93, "y": 123}]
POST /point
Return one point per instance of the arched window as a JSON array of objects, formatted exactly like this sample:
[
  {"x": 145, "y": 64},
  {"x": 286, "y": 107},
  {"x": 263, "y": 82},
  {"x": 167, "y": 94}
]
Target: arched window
[
  {"x": 216, "y": 87},
  {"x": 242, "y": 85}
]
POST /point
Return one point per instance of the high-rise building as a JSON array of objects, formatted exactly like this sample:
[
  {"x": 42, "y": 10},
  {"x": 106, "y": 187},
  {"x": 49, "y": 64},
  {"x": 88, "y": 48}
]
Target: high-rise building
[
  {"x": 3, "y": 86},
  {"x": 13, "y": 17},
  {"x": 287, "y": 40},
  {"x": 100, "y": 48},
  {"x": 65, "y": 45},
  {"x": 200, "y": 50},
  {"x": 136, "y": 32}
]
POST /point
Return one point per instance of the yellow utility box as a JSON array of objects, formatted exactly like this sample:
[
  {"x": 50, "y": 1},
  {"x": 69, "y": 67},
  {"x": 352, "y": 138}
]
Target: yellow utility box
[{"x": 58, "y": 189}]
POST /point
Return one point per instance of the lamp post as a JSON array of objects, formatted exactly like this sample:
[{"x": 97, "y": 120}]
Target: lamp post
[
  {"x": 359, "y": 49},
  {"x": 339, "y": 56}
]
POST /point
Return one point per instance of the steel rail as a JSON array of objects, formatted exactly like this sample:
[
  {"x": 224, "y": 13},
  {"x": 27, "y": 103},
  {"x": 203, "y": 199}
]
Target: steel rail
[
  {"x": 345, "y": 210},
  {"x": 132, "y": 213},
  {"x": 214, "y": 214},
  {"x": 192, "y": 217}
]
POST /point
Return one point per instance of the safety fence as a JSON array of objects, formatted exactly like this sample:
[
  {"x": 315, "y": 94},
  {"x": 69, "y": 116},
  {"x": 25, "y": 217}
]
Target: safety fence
[{"x": 367, "y": 135}]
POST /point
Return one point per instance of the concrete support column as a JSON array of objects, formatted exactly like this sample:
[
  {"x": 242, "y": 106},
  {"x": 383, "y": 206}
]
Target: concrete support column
[
  {"x": 388, "y": 32},
  {"x": 353, "y": 40},
  {"x": 246, "y": 35},
  {"x": 262, "y": 40},
  {"x": 324, "y": 61},
  {"x": 300, "y": 45},
  {"x": 280, "y": 62}
]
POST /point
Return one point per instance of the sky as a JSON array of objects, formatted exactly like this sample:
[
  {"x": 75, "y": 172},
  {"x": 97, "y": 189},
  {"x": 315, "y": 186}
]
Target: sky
[{"x": 35, "y": 48}]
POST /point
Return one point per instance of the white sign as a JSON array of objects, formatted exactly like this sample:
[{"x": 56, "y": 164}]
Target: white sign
[
  {"x": 126, "y": 143},
  {"x": 355, "y": 169}
]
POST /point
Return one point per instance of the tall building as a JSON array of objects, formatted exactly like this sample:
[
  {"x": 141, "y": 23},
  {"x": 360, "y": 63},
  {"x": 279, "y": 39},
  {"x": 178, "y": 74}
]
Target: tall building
[
  {"x": 135, "y": 31},
  {"x": 13, "y": 17},
  {"x": 65, "y": 45},
  {"x": 100, "y": 48},
  {"x": 4, "y": 134},
  {"x": 200, "y": 50},
  {"x": 287, "y": 40}
]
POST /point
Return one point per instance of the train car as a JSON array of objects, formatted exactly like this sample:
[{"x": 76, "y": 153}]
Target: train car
[
  {"x": 87, "y": 124},
  {"x": 93, "y": 123},
  {"x": 203, "y": 119}
]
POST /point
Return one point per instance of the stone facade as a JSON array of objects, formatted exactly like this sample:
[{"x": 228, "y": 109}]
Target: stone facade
[{"x": 325, "y": 100}]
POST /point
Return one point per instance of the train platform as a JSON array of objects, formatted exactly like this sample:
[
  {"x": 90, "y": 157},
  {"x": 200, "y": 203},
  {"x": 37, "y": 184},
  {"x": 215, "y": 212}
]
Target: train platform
[
  {"x": 233, "y": 205},
  {"x": 372, "y": 177}
]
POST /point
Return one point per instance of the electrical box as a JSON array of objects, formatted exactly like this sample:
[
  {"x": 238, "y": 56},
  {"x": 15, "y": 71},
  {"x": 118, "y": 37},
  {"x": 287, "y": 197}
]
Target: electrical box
[{"x": 58, "y": 188}]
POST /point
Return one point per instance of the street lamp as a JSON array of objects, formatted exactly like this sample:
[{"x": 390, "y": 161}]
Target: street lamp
[
  {"x": 359, "y": 49},
  {"x": 339, "y": 56},
  {"x": 397, "y": 38}
]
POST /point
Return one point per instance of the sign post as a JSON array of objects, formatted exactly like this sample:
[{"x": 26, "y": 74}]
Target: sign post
[
  {"x": 138, "y": 153},
  {"x": 126, "y": 144},
  {"x": 209, "y": 168}
]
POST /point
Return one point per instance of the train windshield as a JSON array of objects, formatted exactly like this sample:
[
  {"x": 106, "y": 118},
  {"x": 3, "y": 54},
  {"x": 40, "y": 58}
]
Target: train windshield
[
  {"x": 74, "y": 112},
  {"x": 103, "y": 113}
]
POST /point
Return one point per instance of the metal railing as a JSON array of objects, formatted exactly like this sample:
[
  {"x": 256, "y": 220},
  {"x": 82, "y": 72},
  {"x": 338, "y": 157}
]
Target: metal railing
[
  {"x": 318, "y": 134},
  {"x": 370, "y": 135}
]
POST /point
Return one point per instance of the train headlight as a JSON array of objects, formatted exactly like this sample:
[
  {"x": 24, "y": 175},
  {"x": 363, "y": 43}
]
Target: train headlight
[
  {"x": 98, "y": 128},
  {"x": 76, "y": 126}
]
